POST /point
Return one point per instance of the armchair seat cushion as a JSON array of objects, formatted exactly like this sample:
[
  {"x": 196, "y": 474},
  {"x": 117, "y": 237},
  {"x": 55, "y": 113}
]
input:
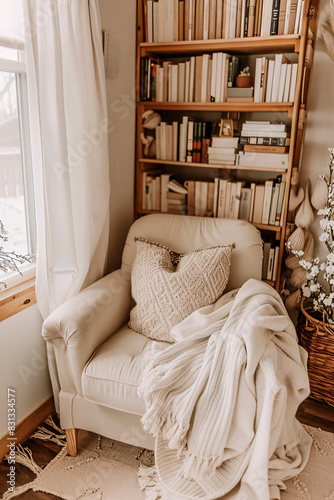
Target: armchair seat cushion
[{"x": 113, "y": 373}]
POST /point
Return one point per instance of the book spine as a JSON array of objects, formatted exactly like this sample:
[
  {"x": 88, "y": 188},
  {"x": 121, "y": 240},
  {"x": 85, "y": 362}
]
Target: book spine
[
  {"x": 190, "y": 142},
  {"x": 206, "y": 20},
  {"x": 212, "y": 19},
  {"x": 181, "y": 20},
  {"x": 275, "y": 18},
  {"x": 195, "y": 143},
  {"x": 251, "y": 18},
  {"x": 246, "y": 18}
]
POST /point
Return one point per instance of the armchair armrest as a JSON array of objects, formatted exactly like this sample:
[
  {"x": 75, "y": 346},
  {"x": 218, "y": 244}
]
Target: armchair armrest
[{"x": 82, "y": 323}]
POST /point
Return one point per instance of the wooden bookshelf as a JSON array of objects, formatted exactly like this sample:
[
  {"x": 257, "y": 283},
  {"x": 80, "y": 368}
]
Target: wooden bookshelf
[{"x": 299, "y": 45}]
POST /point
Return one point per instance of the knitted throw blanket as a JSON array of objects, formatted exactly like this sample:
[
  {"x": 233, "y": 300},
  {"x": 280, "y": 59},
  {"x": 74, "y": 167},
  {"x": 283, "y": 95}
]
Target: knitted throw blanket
[{"x": 222, "y": 400}]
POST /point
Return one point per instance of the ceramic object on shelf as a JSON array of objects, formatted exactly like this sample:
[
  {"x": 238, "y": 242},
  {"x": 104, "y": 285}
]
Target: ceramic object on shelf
[{"x": 243, "y": 81}]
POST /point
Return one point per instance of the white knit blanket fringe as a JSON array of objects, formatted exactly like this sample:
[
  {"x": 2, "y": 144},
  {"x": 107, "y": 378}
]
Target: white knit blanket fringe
[{"x": 222, "y": 400}]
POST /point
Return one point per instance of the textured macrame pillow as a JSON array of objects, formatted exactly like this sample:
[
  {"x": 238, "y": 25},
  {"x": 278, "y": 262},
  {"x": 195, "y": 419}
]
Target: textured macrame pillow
[{"x": 167, "y": 286}]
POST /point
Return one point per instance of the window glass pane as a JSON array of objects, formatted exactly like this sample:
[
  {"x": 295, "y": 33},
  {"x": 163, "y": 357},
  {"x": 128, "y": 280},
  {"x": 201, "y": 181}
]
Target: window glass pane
[
  {"x": 7, "y": 53},
  {"x": 12, "y": 203}
]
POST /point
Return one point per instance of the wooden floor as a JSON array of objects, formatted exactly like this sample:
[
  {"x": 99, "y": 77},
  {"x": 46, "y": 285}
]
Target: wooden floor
[{"x": 311, "y": 413}]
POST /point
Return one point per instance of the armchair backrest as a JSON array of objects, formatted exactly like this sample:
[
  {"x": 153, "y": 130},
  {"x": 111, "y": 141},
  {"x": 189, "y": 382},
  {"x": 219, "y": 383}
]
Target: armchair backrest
[{"x": 185, "y": 233}]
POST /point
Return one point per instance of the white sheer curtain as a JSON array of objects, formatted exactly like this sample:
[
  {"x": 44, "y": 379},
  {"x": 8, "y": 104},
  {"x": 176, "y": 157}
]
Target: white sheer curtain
[{"x": 69, "y": 126}]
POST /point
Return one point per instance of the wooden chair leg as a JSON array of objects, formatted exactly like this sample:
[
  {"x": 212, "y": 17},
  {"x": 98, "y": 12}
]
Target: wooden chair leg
[{"x": 72, "y": 441}]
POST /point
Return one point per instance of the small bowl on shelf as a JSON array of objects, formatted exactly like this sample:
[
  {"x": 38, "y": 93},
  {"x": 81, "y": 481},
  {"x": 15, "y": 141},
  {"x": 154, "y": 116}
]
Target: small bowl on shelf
[{"x": 243, "y": 81}]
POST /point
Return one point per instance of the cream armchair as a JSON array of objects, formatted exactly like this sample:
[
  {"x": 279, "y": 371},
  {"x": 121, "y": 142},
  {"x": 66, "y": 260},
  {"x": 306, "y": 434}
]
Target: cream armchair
[{"x": 98, "y": 358}]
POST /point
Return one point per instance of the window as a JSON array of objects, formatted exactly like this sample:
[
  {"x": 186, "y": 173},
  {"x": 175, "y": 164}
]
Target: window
[{"x": 16, "y": 187}]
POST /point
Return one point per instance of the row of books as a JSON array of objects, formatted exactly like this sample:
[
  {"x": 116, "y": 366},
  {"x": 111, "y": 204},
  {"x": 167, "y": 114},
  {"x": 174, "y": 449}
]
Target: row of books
[
  {"x": 263, "y": 144},
  {"x": 211, "y": 78},
  {"x": 275, "y": 80},
  {"x": 174, "y": 20},
  {"x": 223, "y": 198}
]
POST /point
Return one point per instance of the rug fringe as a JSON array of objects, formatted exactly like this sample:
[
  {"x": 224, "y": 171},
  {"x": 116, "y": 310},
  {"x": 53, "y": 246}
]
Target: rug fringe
[
  {"x": 24, "y": 456},
  {"x": 18, "y": 491},
  {"x": 148, "y": 482},
  {"x": 46, "y": 435},
  {"x": 49, "y": 421}
]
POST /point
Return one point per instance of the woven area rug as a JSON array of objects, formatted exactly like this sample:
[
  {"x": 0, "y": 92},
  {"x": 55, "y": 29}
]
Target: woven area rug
[{"x": 108, "y": 470}]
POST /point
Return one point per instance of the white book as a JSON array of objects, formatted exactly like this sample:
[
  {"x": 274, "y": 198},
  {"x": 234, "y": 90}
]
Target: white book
[
  {"x": 224, "y": 77},
  {"x": 225, "y": 142},
  {"x": 268, "y": 189},
  {"x": 287, "y": 83},
  {"x": 161, "y": 27},
  {"x": 168, "y": 15},
  {"x": 213, "y": 77},
  {"x": 160, "y": 84},
  {"x": 251, "y": 210},
  {"x": 219, "y": 19},
  {"x": 287, "y": 16},
  {"x": 245, "y": 203},
  {"x": 215, "y": 197},
  {"x": 163, "y": 151},
  {"x": 263, "y": 133},
  {"x": 187, "y": 82},
  {"x": 184, "y": 138},
  {"x": 206, "y": 19},
  {"x": 192, "y": 79},
  {"x": 297, "y": 20},
  {"x": 264, "y": 69},
  {"x": 270, "y": 75},
  {"x": 204, "y": 198},
  {"x": 156, "y": 36},
  {"x": 221, "y": 151},
  {"x": 266, "y": 17},
  {"x": 181, "y": 82},
  {"x": 175, "y": 20},
  {"x": 191, "y": 18},
  {"x": 181, "y": 139},
  {"x": 169, "y": 142},
  {"x": 175, "y": 82},
  {"x": 257, "y": 79},
  {"x": 175, "y": 126},
  {"x": 272, "y": 160},
  {"x": 158, "y": 142},
  {"x": 276, "y": 77},
  {"x": 237, "y": 200},
  {"x": 205, "y": 70},
  {"x": 219, "y": 76},
  {"x": 226, "y": 21},
  {"x": 273, "y": 205},
  {"x": 169, "y": 83},
  {"x": 212, "y": 19},
  {"x": 233, "y": 18},
  {"x": 150, "y": 21},
  {"x": 256, "y": 126},
  {"x": 198, "y": 197},
  {"x": 232, "y": 200},
  {"x": 282, "y": 82},
  {"x": 243, "y": 11},
  {"x": 227, "y": 199},
  {"x": 293, "y": 82}
]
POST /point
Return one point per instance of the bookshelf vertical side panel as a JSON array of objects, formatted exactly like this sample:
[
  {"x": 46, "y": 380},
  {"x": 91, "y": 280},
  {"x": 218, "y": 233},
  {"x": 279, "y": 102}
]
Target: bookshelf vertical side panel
[{"x": 139, "y": 109}]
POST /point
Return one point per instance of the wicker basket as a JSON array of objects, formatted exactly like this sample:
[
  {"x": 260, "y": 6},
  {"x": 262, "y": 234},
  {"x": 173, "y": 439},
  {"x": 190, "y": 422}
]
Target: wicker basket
[{"x": 318, "y": 340}]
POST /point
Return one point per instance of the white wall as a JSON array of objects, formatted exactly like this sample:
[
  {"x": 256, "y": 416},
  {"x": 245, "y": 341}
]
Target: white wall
[
  {"x": 319, "y": 131},
  {"x": 120, "y": 19},
  {"x": 23, "y": 364}
]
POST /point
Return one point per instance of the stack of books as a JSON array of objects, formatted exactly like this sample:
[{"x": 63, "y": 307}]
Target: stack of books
[
  {"x": 265, "y": 144},
  {"x": 235, "y": 94},
  {"x": 173, "y": 20},
  {"x": 275, "y": 79},
  {"x": 223, "y": 150},
  {"x": 173, "y": 197}
]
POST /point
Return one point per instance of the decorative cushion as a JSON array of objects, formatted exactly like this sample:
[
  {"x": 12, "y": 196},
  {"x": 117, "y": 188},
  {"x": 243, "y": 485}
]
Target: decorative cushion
[{"x": 167, "y": 287}]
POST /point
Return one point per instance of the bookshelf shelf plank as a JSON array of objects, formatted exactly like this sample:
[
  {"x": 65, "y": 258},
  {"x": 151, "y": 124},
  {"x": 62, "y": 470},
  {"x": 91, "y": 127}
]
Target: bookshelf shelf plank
[
  {"x": 252, "y": 45},
  {"x": 208, "y": 165},
  {"x": 270, "y": 107}
]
